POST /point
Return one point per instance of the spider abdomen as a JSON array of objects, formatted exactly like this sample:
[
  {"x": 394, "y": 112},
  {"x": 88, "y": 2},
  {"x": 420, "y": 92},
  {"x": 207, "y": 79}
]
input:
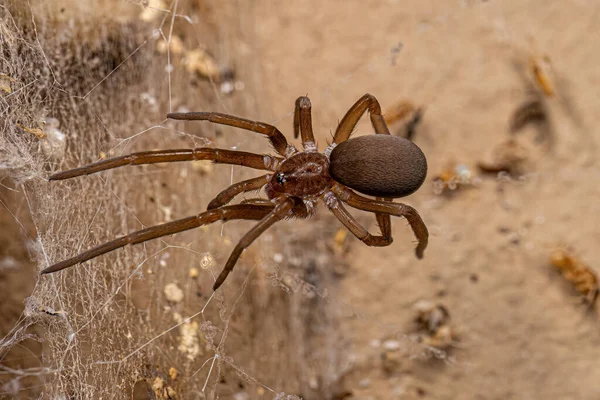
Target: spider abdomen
[{"x": 379, "y": 165}]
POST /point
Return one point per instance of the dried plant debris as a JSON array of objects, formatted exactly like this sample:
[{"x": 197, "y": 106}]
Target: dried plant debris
[
  {"x": 538, "y": 80},
  {"x": 408, "y": 114},
  {"x": 189, "y": 337},
  {"x": 52, "y": 140},
  {"x": 56, "y": 141},
  {"x": 157, "y": 385},
  {"x": 411, "y": 126},
  {"x": 536, "y": 71},
  {"x": 173, "y": 373},
  {"x": 433, "y": 336},
  {"x": 453, "y": 177},
  {"x": 540, "y": 69},
  {"x": 434, "y": 328},
  {"x": 201, "y": 63},
  {"x": 532, "y": 111},
  {"x": 37, "y": 132},
  {"x": 163, "y": 391},
  {"x": 583, "y": 278},
  {"x": 510, "y": 157},
  {"x": 399, "y": 111},
  {"x": 340, "y": 244},
  {"x": 7, "y": 83}
]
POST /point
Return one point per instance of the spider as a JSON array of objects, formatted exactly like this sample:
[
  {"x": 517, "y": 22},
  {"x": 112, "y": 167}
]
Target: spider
[{"x": 381, "y": 165}]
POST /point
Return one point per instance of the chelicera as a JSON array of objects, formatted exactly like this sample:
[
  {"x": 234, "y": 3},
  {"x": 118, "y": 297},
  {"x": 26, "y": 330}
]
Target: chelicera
[{"x": 381, "y": 165}]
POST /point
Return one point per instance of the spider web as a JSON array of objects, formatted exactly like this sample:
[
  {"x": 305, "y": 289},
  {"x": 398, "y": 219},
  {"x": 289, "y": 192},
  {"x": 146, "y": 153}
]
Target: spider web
[
  {"x": 141, "y": 320},
  {"x": 144, "y": 319}
]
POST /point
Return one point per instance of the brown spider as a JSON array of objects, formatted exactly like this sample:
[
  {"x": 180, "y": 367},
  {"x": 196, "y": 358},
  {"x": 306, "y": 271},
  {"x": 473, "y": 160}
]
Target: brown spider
[{"x": 382, "y": 166}]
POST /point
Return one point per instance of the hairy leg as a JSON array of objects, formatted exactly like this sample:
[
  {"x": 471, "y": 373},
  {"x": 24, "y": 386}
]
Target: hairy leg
[
  {"x": 240, "y": 187},
  {"x": 385, "y": 222},
  {"x": 348, "y": 123},
  {"x": 299, "y": 211},
  {"x": 303, "y": 123},
  {"x": 248, "y": 212},
  {"x": 275, "y": 136},
  {"x": 398, "y": 209},
  {"x": 344, "y": 130},
  {"x": 219, "y": 156},
  {"x": 256, "y": 200},
  {"x": 336, "y": 207},
  {"x": 280, "y": 211}
]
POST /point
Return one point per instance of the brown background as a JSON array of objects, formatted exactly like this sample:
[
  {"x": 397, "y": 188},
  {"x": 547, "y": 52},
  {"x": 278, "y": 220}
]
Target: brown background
[{"x": 524, "y": 333}]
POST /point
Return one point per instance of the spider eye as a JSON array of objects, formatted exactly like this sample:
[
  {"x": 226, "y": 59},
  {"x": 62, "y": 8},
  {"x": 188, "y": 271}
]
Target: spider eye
[{"x": 280, "y": 178}]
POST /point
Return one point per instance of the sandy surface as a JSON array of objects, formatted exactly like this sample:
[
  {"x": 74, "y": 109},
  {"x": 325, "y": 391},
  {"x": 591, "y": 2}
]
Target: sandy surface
[{"x": 524, "y": 333}]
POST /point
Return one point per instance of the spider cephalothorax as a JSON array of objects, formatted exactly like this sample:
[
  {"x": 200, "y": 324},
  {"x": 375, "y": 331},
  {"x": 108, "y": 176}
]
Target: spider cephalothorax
[
  {"x": 303, "y": 175},
  {"x": 381, "y": 165}
]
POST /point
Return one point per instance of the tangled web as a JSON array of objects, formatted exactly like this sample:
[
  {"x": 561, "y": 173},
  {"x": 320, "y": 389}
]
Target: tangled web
[
  {"x": 141, "y": 320},
  {"x": 79, "y": 84}
]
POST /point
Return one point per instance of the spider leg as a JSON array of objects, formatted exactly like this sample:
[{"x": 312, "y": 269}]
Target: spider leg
[
  {"x": 280, "y": 211},
  {"x": 385, "y": 222},
  {"x": 347, "y": 124},
  {"x": 277, "y": 139},
  {"x": 303, "y": 123},
  {"x": 344, "y": 130},
  {"x": 335, "y": 206},
  {"x": 299, "y": 211},
  {"x": 248, "y": 212},
  {"x": 220, "y": 156},
  {"x": 257, "y": 200},
  {"x": 398, "y": 209},
  {"x": 240, "y": 187}
]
